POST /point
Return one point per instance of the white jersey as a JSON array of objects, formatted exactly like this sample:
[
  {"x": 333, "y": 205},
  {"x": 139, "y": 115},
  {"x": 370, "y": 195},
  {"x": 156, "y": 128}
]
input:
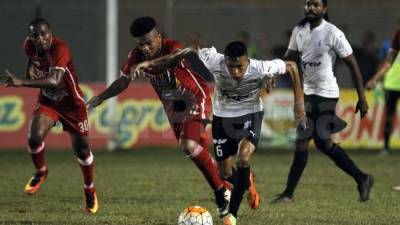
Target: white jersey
[
  {"x": 318, "y": 49},
  {"x": 234, "y": 98}
]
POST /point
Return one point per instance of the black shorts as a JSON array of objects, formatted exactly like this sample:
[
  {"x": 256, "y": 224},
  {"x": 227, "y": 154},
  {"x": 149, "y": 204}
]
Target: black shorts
[
  {"x": 321, "y": 118},
  {"x": 229, "y": 131}
]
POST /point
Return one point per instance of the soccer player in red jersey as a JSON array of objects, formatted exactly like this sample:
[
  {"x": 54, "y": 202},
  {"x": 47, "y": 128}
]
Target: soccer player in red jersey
[
  {"x": 50, "y": 68},
  {"x": 183, "y": 93}
]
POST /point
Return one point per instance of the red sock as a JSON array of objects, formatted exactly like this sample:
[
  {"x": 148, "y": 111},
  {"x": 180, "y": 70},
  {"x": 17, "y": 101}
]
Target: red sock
[
  {"x": 203, "y": 160},
  {"x": 87, "y": 171},
  {"x": 37, "y": 155}
]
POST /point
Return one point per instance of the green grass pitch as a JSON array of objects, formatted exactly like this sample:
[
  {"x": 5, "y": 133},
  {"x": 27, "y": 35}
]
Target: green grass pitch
[{"x": 151, "y": 186}]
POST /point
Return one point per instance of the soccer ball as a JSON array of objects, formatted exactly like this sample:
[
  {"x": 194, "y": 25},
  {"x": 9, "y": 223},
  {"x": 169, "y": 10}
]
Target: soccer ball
[{"x": 195, "y": 215}]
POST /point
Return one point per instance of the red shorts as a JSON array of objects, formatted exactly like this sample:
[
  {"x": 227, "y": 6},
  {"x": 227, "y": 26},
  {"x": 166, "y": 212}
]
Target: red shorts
[
  {"x": 193, "y": 130},
  {"x": 73, "y": 121}
]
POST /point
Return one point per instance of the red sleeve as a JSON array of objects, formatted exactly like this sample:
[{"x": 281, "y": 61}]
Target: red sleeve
[
  {"x": 130, "y": 61},
  {"x": 173, "y": 46},
  {"x": 62, "y": 57},
  {"x": 396, "y": 40}
]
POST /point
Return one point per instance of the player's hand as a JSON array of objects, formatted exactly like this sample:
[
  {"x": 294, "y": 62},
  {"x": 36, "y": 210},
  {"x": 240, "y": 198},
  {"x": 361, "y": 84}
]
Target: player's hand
[
  {"x": 11, "y": 80},
  {"x": 370, "y": 84},
  {"x": 271, "y": 83},
  {"x": 93, "y": 103},
  {"x": 138, "y": 69},
  {"x": 362, "y": 107},
  {"x": 301, "y": 122},
  {"x": 36, "y": 74}
]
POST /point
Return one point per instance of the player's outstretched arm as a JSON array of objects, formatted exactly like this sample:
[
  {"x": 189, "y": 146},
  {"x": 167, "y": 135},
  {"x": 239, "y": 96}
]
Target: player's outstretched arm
[
  {"x": 161, "y": 62},
  {"x": 383, "y": 69},
  {"x": 299, "y": 113},
  {"x": 114, "y": 89},
  {"x": 53, "y": 80},
  {"x": 352, "y": 64}
]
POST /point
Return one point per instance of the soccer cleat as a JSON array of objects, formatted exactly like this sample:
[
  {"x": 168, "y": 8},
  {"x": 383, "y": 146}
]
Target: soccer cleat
[
  {"x": 91, "y": 204},
  {"x": 34, "y": 182},
  {"x": 253, "y": 197},
  {"x": 282, "y": 199},
  {"x": 229, "y": 219},
  {"x": 365, "y": 187},
  {"x": 396, "y": 188},
  {"x": 223, "y": 202}
]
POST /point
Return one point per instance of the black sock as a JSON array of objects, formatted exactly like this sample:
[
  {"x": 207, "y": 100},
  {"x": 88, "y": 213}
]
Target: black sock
[
  {"x": 220, "y": 197},
  {"x": 386, "y": 138},
  {"x": 239, "y": 188},
  {"x": 232, "y": 179},
  {"x": 296, "y": 170},
  {"x": 343, "y": 161}
]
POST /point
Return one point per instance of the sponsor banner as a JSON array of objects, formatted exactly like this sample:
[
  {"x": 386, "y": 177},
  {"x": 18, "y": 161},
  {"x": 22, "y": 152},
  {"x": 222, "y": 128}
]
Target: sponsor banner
[
  {"x": 278, "y": 127},
  {"x": 140, "y": 117},
  {"x": 142, "y": 121}
]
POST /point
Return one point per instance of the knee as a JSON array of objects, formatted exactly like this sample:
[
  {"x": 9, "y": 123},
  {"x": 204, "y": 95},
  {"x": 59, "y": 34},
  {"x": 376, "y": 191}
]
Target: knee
[
  {"x": 81, "y": 148},
  {"x": 324, "y": 145},
  {"x": 243, "y": 158},
  {"x": 34, "y": 140},
  {"x": 301, "y": 146},
  {"x": 188, "y": 146}
]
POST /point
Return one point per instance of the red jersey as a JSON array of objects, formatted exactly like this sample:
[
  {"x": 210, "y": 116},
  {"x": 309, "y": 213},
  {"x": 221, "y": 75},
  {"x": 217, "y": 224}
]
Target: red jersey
[
  {"x": 396, "y": 40},
  {"x": 181, "y": 90},
  {"x": 58, "y": 57}
]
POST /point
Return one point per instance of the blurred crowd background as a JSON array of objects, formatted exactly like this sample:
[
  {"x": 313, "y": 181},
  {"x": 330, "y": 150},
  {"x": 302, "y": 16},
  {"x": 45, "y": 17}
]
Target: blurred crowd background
[{"x": 265, "y": 25}]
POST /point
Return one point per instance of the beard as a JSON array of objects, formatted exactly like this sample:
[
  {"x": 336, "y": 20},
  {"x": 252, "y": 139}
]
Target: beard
[{"x": 312, "y": 18}]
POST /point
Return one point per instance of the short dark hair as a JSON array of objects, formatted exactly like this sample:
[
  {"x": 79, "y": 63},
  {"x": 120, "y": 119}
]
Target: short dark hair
[
  {"x": 142, "y": 26},
  {"x": 235, "y": 49},
  {"x": 37, "y": 21}
]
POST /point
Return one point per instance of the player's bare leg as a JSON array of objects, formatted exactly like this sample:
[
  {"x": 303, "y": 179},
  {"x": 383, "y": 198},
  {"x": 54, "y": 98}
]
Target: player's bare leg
[
  {"x": 39, "y": 126},
  {"x": 206, "y": 164},
  {"x": 227, "y": 172},
  {"x": 85, "y": 158},
  {"x": 246, "y": 149}
]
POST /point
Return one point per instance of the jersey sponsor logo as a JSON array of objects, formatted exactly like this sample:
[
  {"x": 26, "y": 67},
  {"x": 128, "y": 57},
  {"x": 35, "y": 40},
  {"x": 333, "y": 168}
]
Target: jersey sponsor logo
[
  {"x": 235, "y": 97},
  {"x": 219, "y": 141},
  {"x": 252, "y": 133},
  {"x": 304, "y": 64}
]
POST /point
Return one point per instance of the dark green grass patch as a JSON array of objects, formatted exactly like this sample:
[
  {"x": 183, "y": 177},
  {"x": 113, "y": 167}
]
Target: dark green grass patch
[{"x": 152, "y": 186}]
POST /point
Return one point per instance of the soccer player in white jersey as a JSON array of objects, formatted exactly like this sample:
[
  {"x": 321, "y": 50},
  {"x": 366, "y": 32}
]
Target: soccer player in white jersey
[
  {"x": 238, "y": 110},
  {"x": 316, "y": 42}
]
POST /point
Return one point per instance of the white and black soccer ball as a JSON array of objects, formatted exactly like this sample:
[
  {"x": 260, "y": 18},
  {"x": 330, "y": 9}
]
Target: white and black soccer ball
[{"x": 195, "y": 215}]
